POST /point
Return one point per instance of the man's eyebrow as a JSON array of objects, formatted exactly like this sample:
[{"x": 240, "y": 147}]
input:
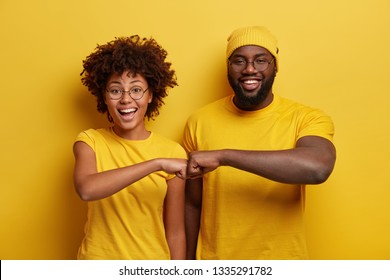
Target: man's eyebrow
[{"x": 256, "y": 55}]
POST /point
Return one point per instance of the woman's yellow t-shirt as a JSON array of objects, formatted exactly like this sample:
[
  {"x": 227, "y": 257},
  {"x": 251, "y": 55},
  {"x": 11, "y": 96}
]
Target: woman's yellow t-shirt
[{"x": 129, "y": 224}]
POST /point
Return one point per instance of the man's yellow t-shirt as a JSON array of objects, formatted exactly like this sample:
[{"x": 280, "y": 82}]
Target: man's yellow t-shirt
[
  {"x": 246, "y": 216},
  {"x": 129, "y": 224}
]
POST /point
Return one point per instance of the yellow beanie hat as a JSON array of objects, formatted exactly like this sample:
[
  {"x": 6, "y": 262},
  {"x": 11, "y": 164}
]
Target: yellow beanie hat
[{"x": 252, "y": 36}]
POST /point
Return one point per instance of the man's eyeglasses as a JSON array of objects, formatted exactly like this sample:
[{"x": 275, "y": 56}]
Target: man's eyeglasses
[
  {"x": 116, "y": 93},
  {"x": 238, "y": 64}
]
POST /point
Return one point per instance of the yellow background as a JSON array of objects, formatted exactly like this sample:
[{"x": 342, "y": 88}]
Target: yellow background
[{"x": 334, "y": 54}]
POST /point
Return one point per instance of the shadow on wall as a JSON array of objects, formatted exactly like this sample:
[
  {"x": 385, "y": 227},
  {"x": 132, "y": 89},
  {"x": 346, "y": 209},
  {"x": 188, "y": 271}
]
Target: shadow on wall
[
  {"x": 74, "y": 216},
  {"x": 84, "y": 106}
]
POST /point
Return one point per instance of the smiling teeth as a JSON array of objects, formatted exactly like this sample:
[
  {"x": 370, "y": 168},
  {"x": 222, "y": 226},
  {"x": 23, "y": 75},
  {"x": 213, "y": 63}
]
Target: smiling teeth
[
  {"x": 128, "y": 110},
  {"x": 250, "y": 82}
]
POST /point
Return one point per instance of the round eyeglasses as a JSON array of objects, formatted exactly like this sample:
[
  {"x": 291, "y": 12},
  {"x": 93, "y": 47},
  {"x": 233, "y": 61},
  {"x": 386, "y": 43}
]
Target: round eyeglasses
[
  {"x": 238, "y": 64},
  {"x": 116, "y": 93}
]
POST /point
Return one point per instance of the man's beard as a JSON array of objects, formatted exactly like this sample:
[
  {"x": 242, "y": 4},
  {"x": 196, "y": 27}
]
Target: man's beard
[{"x": 250, "y": 101}]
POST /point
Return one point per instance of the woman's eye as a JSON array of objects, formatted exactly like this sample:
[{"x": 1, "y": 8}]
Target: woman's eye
[
  {"x": 115, "y": 90},
  {"x": 136, "y": 90}
]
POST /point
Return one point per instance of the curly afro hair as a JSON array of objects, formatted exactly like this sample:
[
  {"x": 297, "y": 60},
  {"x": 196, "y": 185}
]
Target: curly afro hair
[{"x": 138, "y": 55}]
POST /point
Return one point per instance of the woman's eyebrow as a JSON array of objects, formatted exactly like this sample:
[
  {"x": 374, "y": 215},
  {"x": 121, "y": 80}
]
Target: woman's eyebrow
[
  {"x": 119, "y": 83},
  {"x": 135, "y": 81}
]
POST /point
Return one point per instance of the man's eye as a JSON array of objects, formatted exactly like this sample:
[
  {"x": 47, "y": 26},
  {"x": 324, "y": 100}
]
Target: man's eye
[
  {"x": 239, "y": 61},
  {"x": 260, "y": 61}
]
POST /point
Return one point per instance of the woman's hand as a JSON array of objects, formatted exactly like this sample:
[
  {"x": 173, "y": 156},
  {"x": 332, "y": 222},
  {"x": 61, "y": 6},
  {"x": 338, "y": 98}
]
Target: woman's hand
[{"x": 175, "y": 166}]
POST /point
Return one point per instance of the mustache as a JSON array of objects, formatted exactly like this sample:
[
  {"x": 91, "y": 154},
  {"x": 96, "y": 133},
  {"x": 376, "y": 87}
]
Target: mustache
[{"x": 261, "y": 94}]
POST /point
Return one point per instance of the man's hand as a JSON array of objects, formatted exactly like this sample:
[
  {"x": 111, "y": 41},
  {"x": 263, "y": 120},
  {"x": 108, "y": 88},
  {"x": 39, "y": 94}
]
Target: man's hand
[{"x": 202, "y": 162}]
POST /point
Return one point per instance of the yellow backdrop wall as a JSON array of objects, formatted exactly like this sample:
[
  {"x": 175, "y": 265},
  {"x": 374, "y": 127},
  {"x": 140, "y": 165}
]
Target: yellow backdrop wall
[{"x": 334, "y": 55}]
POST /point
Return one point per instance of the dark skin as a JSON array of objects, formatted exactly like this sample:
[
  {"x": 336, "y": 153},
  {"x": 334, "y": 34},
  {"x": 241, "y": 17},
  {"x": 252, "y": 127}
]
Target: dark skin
[{"x": 311, "y": 161}]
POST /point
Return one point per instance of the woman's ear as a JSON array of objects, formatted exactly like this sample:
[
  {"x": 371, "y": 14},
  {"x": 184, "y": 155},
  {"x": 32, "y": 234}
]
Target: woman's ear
[{"x": 150, "y": 97}]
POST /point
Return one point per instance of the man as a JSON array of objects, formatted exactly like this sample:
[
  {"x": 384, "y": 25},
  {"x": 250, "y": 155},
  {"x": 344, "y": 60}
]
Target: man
[{"x": 250, "y": 156}]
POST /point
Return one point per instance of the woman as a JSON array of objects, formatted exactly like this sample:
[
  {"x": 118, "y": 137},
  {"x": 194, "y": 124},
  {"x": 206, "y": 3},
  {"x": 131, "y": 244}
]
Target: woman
[{"x": 132, "y": 178}]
